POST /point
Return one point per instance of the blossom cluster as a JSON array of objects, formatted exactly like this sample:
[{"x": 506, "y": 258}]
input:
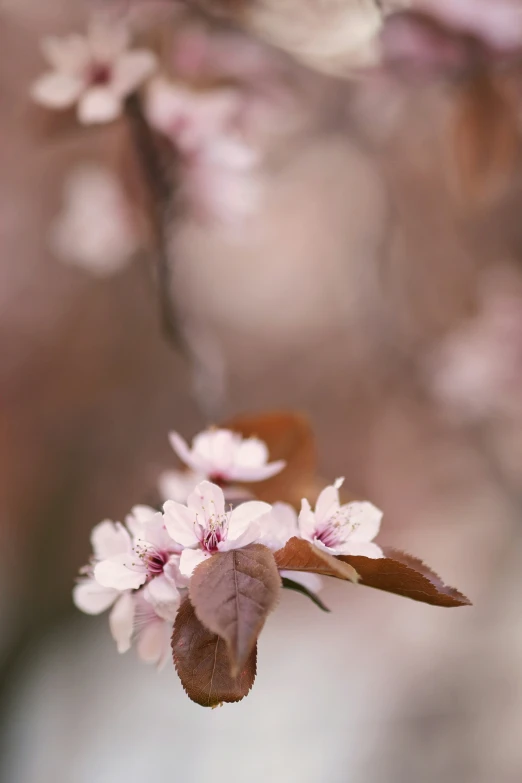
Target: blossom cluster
[{"x": 142, "y": 568}]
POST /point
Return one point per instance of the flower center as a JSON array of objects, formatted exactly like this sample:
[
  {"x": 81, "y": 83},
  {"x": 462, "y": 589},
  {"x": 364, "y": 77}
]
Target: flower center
[
  {"x": 156, "y": 561},
  {"x": 336, "y": 530},
  {"x": 216, "y": 531},
  {"x": 100, "y": 74}
]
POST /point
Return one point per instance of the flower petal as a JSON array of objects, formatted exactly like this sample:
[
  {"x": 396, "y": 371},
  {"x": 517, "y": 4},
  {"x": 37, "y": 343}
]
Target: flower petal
[
  {"x": 91, "y": 598},
  {"x": 306, "y": 521},
  {"x": 260, "y": 473},
  {"x": 278, "y": 526},
  {"x": 183, "y": 450},
  {"x": 163, "y": 596},
  {"x": 252, "y": 453},
  {"x": 190, "y": 559},
  {"x": 243, "y": 515},
  {"x": 131, "y": 69},
  {"x": 181, "y": 524},
  {"x": 327, "y": 503},
  {"x": 122, "y": 572},
  {"x": 121, "y": 621},
  {"x": 99, "y": 105},
  {"x": 216, "y": 447},
  {"x": 69, "y": 55},
  {"x": 207, "y": 501},
  {"x": 57, "y": 90},
  {"x": 109, "y": 539},
  {"x": 107, "y": 42},
  {"x": 154, "y": 642},
  {"x": 365, "y": 519},
  {"x": 249, "y": 536}
]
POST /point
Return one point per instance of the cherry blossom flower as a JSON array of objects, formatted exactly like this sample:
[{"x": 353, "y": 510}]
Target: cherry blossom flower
[
  {"x": 108, "y": 539},
  {"x": 94, "y": 230},
  {"x": 219, "y": 179},
  {"x": 204, "y": 527},
  {"x": 341, "y": 530},
  {"x": 225, "y": 456},
  {"x": 150, "y": 557},
  {"x": 96, "y": 72}
]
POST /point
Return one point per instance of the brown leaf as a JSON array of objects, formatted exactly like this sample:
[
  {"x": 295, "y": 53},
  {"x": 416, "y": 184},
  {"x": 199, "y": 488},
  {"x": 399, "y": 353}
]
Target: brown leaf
[
  {"x": 301, "y": 555},
  {"x": 288, "y": 436},
  {"x": 405, "y": 575},
  {"x": 202, "y": 662},
  {"x": 232, "y": 594}
]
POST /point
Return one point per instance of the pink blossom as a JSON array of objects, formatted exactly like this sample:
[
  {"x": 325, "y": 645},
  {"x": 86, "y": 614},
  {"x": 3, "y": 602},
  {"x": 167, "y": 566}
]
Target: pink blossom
[
  {"x": 203, "y": 526},
  {"x": 150, "y": 558},
  {"x": 96, "y": 72},
  {"x": 219, "y": 180},
  {"x": 341, "y": 530},
  {"x": 225, "y": 456}
]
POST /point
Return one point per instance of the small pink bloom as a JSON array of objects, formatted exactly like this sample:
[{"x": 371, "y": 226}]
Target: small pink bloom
[
  {"x": 341, "y": 530},
  {"x": 150, "y": 558},
  {"x": 96, "y": 71},
  {"x": 203, "y": 527},
  {"x": 225, "y": 456},
  {"x": 219, "y": 178}
]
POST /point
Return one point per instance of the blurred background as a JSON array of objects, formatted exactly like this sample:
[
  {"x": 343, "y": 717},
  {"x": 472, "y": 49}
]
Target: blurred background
[{"x": 373, "y": 286}]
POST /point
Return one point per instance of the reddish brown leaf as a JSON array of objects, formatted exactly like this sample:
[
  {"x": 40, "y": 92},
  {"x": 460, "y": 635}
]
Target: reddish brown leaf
[
  {"x": 301, "y": 555},
  {"x": 289, "y": 437},
  {"x": 232, "y": 594},
  {"x": 202, "y": 662},
  {"x": 405, "y": 575}
]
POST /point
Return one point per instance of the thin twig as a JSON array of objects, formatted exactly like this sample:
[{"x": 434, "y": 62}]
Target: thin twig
[{"x": 161, "y": 192}]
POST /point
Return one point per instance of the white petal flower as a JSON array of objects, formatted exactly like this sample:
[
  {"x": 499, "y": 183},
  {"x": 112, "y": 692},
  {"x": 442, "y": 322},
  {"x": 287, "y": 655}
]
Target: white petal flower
[
  {"x": 95, "y": 70},
  {"x": 225, "y": 456},
  {"x": 341, "y": 530},
  {"x": 94, "y": 229},
  {"x": 146, "y": 556},
  {"x": 204, "y": 527}
]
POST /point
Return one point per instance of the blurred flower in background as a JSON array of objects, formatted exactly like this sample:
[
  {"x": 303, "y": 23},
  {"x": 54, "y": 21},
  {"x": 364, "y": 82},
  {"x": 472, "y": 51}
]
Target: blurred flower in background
[{"x": 94, "y": 230}]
